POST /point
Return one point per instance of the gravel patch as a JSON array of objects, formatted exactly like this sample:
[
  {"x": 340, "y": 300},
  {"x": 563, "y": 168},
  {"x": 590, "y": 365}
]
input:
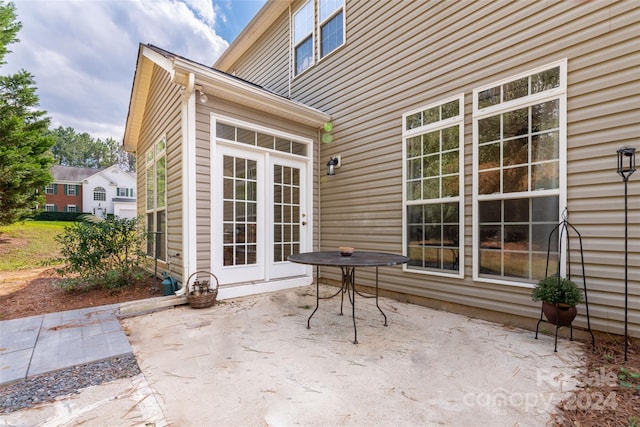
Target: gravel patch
[{"x": 46, "y": 387}]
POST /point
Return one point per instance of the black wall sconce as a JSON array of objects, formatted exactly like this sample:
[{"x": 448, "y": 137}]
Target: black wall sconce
[
  {"x": 626, "y": 167},
  {"x": 331, "y": 165}
]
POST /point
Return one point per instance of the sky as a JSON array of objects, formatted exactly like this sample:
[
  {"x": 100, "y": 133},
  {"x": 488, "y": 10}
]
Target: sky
[{"x": 83, "y": 53}]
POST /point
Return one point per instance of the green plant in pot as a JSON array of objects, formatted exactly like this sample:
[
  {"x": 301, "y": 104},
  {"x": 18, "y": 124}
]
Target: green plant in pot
[{"x": 559, "y": 298}]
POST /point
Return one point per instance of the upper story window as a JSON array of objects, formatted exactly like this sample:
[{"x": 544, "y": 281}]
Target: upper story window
[
  {"x": 99, "y": 194},
  {"x": 331, "y": 26},
  {"x": 327, "y": 25},
  {"x": 50, "y": 189},
  {"x": 433, "y": 164},
  {"x": 303, "y": 37},
  {"x": 124, "y": 192},
  {"x": 70, "y": 190},
  {"x": 519, "y": 173}
]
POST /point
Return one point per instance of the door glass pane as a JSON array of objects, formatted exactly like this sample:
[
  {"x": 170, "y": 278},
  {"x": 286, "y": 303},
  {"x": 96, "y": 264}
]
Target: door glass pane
[
  {"x": 240, "y": 211},
  {"x": 286, "y": 212}
]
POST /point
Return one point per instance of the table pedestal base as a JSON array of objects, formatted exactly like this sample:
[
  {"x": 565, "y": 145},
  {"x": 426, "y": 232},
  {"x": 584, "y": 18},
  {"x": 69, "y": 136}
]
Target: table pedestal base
[{"x": 348, "y": 287}]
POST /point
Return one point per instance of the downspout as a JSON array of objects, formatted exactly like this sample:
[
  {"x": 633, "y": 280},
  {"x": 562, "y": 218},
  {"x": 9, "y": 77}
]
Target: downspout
[{"x": 189, "y": 263}]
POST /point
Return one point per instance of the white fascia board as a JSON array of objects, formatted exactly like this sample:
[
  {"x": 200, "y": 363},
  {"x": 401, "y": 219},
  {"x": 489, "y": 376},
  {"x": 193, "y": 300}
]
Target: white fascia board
[{"x": 218, "y": 84}]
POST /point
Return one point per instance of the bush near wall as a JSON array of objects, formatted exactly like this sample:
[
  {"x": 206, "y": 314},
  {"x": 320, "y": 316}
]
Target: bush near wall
[{"x": 58, "y": 216}]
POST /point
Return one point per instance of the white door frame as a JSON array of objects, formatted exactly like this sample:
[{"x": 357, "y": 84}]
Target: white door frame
[{"x": 301, "y": 275}]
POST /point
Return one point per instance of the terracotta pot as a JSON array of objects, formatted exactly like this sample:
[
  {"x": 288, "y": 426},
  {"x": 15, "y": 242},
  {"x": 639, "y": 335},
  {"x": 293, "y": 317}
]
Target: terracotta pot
[{"x": 564, "y": 313}]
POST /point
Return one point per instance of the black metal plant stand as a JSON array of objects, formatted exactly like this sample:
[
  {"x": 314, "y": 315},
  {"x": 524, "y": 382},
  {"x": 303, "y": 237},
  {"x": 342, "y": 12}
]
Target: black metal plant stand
[
  {"x": 561, "y": 230},
  {"x": 626, "y": 168}
]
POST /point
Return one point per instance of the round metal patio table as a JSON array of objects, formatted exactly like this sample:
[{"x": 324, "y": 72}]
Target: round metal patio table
[{"x": 348, "y": 266}]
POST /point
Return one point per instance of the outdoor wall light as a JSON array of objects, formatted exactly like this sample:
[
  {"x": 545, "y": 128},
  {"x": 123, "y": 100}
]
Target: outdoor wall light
[
  {"x": 203, "y": 97},
  {"x": 331, "y": 166}
]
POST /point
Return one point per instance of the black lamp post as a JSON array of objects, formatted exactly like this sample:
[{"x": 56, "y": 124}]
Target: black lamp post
[{"x": 626, "y": 167}]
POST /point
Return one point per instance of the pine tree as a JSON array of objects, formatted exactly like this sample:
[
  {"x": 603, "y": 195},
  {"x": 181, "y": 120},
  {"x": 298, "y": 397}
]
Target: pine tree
[{"x": 25, "y": 157}]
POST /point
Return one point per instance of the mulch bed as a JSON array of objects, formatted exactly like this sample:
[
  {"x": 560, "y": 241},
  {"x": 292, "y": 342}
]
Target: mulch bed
[{"x": 610, "y": 390}]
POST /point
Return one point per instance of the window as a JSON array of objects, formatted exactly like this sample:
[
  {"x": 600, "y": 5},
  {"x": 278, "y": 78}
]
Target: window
[
  {"x": 50, "y": 208},
  {"x": 124, "y": 192},
  {"x": 330, "y": 27},
  {"x": 156, "y": 177},
  {"x": 303, "y": 37},
  {"x": 70, "y": 190},
  {"x": 71, "y": 208},
  {"x": 50, "y": 189},
  {"x": 259, "y": 139},
  {"x": 433, "y": 165},
  {"x": 99, "y": 194},
  {"x": 519, "y": 173}
]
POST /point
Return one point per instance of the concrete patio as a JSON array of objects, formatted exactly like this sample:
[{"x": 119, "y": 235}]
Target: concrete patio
[{"x": 252, "y": 362}]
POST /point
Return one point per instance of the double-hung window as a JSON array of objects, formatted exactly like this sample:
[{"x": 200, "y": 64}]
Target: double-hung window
[
  {"x": 519, "y": 145},
  {"x": 329, "y": 27},
  {"x": 50, "y": 189},
  {"x": 156, "y": 178},
  {"x": 303, "y": 37},
  {"x": 433, "y": 187}
]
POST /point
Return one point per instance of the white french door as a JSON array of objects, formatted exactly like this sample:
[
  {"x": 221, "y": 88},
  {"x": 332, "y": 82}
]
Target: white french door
[
  {"x": 260, "y": 214},
  {"x": 288, "y": 216}
]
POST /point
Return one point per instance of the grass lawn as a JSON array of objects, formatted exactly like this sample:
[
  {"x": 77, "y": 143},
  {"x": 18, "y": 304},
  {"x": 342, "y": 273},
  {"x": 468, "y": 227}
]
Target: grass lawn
[{"x": 29, "y": 244}]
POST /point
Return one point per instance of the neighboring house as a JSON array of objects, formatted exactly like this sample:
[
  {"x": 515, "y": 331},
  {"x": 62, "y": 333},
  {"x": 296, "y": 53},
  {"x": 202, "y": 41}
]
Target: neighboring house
[
  {"x": 464, "y": 131},
  {"x": 97, "y": 191}
]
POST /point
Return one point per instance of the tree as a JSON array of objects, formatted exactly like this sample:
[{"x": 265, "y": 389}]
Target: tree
[
  {"x": 25, "y": 158},
  {"x": 82, "y": 150}
]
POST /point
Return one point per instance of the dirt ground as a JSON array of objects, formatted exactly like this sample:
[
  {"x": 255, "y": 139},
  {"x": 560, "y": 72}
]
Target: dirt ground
[{"x": 30, "y": 292}]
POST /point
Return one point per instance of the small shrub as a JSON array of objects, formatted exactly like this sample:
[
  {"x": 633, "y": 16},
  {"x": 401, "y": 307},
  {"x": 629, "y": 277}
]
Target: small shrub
[
  {"x": 557, "y": 290},
  {"x": 101, "y": 253}
]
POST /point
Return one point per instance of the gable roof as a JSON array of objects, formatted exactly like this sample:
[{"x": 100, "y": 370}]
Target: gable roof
[
  {"x": 72, "y": 174},
  {"x": 218, "y": 84},
  {"x": 266, "y": 16}
]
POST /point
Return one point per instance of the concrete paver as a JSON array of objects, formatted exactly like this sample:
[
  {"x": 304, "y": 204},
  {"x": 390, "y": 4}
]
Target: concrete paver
[{"x": 40, "y": 344}]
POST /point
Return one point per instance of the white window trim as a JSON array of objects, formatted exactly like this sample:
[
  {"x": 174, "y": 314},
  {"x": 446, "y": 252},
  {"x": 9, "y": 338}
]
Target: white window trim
[
  {"x": 75, "y": 208},
  {"x": 316, "y": 50},
  {"x": 556, "y": 93},
  {"x": 150, "y": 163},
  {"x": 50, "y": 207},
  {"x": 344, "y": 31},
  {"x": 50, "y": 187},
  {"x": 431, "y": 127},
  {"x": 104, "y": 191},
  {"x": 293, "y": 43}
]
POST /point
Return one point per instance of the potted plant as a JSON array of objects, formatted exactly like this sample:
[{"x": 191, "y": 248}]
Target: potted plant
[{"x": 559, "y": 297}]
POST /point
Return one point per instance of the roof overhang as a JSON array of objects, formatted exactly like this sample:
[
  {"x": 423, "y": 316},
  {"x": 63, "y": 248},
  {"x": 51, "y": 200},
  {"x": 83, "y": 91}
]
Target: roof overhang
[{"x": 215, "y": 84}]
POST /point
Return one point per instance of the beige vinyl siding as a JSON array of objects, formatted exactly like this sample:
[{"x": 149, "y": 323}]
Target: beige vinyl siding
[
  {"x": 162, "y": 118},
  {"x": 273, "y": 71},
  {"x": 401, "y": 55}
]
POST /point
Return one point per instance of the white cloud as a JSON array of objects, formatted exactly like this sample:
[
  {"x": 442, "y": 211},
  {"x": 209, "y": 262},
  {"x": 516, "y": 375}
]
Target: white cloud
[{"x": 83, "y": 53}]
